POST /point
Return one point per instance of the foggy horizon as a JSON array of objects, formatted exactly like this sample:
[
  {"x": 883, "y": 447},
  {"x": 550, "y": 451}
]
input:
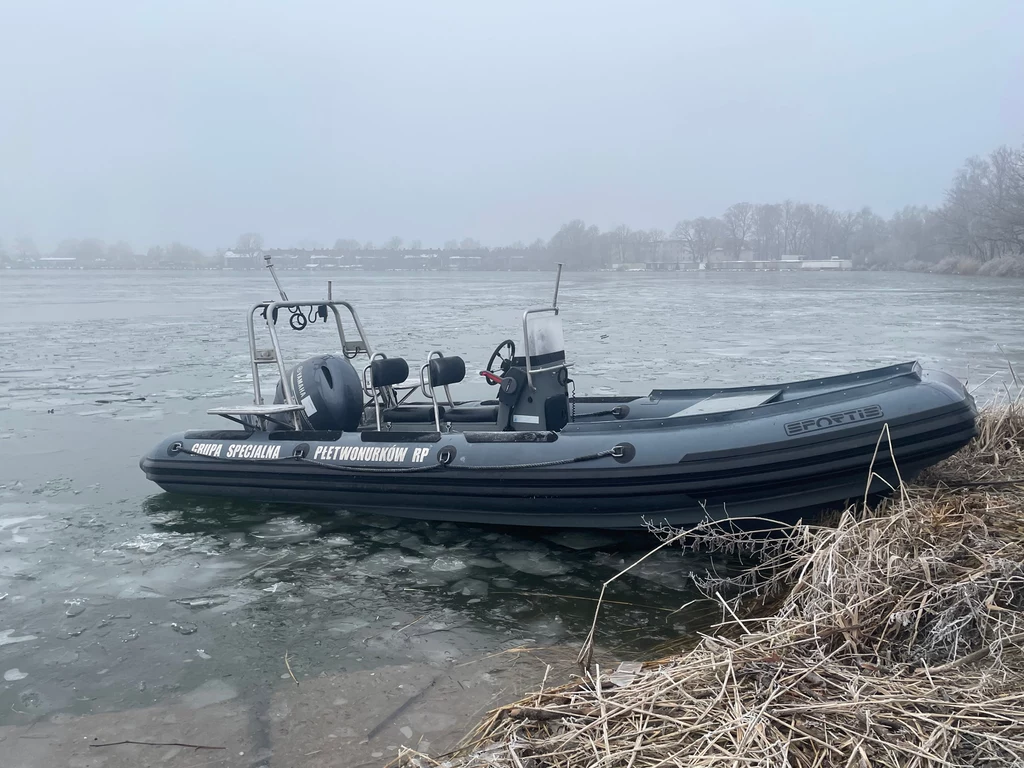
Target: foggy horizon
[{"x": 313, "y": 122}]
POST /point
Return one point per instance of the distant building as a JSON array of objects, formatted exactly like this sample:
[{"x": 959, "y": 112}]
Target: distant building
[
  {"x": 719, "y": 255},
  {"x": 58, "y": 262}
]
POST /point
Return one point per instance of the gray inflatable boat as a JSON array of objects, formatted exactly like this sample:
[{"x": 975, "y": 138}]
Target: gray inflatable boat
[{"x": 395, "y": 441}]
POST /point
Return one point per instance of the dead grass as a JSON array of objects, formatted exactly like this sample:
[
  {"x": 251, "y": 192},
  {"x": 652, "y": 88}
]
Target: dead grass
[{"x": 895, "y": 639}]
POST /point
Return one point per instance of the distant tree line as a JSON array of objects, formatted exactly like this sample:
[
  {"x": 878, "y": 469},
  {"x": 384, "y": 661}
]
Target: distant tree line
[{"x": 979, "y": 228}]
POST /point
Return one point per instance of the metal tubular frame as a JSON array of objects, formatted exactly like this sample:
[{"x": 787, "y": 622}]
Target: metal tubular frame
[
  {"x": 369, "y": 386},
  {"x": 427, "y": 388},
  {"x": 271, "y": 309},
  {"x": 362, "y": 346}
]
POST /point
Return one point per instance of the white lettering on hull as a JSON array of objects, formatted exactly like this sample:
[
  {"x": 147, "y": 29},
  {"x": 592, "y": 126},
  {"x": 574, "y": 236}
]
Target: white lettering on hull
[
  {"x": 371, "y": 454},
  {"x": 207, "y": 449},
  {"x": 374, "y": 454},
  {"x": 253, "y": 451}
]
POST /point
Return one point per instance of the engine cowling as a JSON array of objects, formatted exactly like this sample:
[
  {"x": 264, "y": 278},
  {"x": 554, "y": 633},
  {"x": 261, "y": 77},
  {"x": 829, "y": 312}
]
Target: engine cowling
[{"x": 330, "y": 391}]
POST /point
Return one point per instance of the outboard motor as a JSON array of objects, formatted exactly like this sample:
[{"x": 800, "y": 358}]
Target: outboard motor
[{"x": 329, "y": 390}]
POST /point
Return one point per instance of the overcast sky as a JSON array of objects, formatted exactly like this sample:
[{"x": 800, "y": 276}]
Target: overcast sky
[{"x": 196, "y": 121}]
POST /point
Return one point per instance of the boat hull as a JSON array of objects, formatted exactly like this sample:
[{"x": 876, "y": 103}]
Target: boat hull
[{"x": 812, "y": 446}]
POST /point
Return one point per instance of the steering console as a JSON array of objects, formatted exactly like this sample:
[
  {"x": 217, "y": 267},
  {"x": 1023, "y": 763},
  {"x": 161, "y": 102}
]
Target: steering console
[{"x": 504, "y": 352}]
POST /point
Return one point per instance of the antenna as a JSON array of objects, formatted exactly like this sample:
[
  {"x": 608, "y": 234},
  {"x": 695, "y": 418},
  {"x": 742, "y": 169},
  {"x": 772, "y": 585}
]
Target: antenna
[
  {"x": 273, "y": 274},
  {"x": 558, "y": 279}
]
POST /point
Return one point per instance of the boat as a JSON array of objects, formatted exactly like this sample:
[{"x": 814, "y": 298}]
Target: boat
[{"x": 361, "y": 430}]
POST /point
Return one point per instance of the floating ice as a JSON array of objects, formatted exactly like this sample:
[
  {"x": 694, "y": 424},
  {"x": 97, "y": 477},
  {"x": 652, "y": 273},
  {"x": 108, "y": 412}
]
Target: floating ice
[
  {"x": 447, "y": 563},
  {"x": 469, "y": 588},
  {"x": 288, "y": 530},
  {"x": 383, "y": 563},
  {"x": 6, "y": 637},
  {"x": 14, "y": 674},
  {"x": 534, "y": 563},
  {"x": 197, "y": 603},
  {"x": 347, "y": 625},
  {"x": 7, "y": 522}
]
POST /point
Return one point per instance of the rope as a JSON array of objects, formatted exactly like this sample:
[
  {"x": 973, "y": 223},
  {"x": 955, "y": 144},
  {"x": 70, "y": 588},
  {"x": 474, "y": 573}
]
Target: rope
[
  {"x": 407, "y": 470},
  {"x": 555, "y": 463},
  {"x": 369, "y": 470}
]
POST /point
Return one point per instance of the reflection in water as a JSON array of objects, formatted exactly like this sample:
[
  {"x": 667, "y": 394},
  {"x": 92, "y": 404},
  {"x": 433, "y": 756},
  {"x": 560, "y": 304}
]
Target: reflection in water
[{"x": 500, "y": 578}]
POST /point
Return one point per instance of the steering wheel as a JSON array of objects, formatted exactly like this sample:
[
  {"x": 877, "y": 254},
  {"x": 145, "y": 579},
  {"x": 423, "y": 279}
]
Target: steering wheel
[{"x": 492, "y": 376}]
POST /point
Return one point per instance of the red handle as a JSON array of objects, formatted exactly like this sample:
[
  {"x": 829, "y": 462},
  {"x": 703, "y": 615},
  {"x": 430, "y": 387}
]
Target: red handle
[{"x": 491, "y": 377}]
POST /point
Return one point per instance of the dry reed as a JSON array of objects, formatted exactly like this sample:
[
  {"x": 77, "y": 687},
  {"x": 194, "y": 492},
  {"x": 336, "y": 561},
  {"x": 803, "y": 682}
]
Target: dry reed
[{"x": 896, "y": 640}]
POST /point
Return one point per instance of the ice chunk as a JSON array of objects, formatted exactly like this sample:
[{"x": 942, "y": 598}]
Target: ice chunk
[
  {"x": 6, "y": 637},
  {"x": 287, "y": 530},
  {"x": 412, "y": 542},
  {"x": 383, "y": 563},
  {"x": 448, "y": 563},
  {"x": 197, "y": 603},
  {"x": 534, "y": 563},
  {"x": 350, "y": 624},
  {"x": 469, "y": 588},
  {"x": 484, "y": 562}
]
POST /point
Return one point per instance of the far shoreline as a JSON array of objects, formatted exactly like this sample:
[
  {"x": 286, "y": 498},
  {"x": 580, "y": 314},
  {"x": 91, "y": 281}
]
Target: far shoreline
[{"x": 966, "y": 268}]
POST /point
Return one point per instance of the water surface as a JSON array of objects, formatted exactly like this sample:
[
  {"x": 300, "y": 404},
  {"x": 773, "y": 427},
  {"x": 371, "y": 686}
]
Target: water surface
[{"x": 115, "y": 595}]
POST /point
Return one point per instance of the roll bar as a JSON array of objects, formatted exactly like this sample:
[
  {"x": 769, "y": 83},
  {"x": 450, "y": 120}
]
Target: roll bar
[{"x": 269, "y": 311}]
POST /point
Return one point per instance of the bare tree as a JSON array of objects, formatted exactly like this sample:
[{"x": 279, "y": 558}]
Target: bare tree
[
  {"x": 845, "y": 222},
  {"x": 791, "y": 223},
  {"x": 984, "y": 212},
  {"x": 767, "y": 234},
  {"x": 620, "y": 239},
  {"x": 120, "y": 254},
  {"x": 24, "y": 249},
  {"x": 700, "y": 236},
  {"x": 576, "y": 243},
  {"x": 739, "y": 221},
  {"x": 249, "y": 244}
]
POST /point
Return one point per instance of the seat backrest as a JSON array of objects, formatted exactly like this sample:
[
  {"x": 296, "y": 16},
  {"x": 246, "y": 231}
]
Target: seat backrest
[
  {"x": 446, "y": 370},
  {"x": 388, "y": 371}
]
